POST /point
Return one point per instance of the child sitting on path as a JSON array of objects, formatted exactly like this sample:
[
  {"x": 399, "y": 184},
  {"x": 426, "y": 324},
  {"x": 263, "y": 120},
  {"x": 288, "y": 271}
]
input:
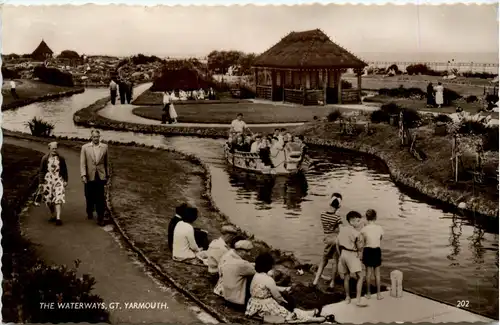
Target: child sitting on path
[
  {"x": 372, "y": 254},
  {"x": 348, "y": 247},
  {"x": 331, "y": 224}
]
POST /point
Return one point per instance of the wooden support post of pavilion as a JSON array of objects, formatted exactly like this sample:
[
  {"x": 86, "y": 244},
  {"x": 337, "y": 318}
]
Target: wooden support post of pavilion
[{"x": 339, "y": 86}]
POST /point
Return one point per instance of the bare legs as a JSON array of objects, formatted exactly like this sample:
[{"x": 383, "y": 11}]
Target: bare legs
[
  {"x": 321, "y": 268},
  {"x": 369, "y": 274},
  {"x": 359, "y": 286},
  {"x": 55, "y": 213}
]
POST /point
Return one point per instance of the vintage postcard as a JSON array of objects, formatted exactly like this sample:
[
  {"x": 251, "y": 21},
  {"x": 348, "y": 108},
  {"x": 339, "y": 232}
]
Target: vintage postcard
[{"x": 250, "y": 164}]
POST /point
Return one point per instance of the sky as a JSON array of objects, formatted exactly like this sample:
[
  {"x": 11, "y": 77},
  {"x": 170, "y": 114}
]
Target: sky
[{"x": 176, "y": 31}]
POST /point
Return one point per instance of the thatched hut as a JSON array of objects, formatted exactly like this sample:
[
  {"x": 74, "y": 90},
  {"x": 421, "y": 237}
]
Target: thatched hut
[
  {"x": 306, "y": 68},
  {"x": 42, "y": 52}
]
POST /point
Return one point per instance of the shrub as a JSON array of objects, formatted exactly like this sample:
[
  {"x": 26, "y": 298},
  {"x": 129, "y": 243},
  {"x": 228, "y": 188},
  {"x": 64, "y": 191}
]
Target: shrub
[
  {"x": 472, "y": 127},
  {"x": 69, "y": 54},
  {"x": 402, "y": 92},
  {"x": 471, "y": 99},
  {"x": 417, "y": 69},
  {"x": 40, "y": 128},
  {"x": 490, "y": 139},
  {"x": 143, "y": 59},
  {"x": 9, "y": 74},
  {"x": 450, "y": 95},
  {"x": 57, "y": 284},
  {"x": 379, "y": 116},
  {"x": 391, "y": 108},
  {"x": 334, "y": 115},
  {"x": 442, "y": 118},
  {"x": 53, "y": 76},
  {"x": 393, "y": 67},
  {"x": 491, "y": 98},
  {"x": 411, "y": 118},
  {"x": 246, "y": 92},
  {"x": 482, "y": 75},
  {"x": 346, "y": 84}
]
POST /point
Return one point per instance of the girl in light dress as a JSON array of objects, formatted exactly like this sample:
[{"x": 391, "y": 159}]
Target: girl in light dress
[
  {"x": 266, "y": 298},
  {"x": 172, "y": 113}
]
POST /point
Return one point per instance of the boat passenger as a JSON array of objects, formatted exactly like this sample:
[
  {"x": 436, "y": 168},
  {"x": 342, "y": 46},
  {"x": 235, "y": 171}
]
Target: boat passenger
[
  {"x": 238, "y": 125},
  {"x": 238, "y": 145},
  {"x": 255, "y": 145},
  {"x": 247, "y": 144},
  {"x": 265, "y": 152}
]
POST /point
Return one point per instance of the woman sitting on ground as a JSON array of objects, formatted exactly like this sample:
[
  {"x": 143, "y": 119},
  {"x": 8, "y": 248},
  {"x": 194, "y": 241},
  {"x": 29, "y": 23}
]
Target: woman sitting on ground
[
  {"x": 218, "y": 247},
  {"x": 185, "y": 247},
  {"x": 266, "y": 298},
  {"x": 179, "y": 211}
]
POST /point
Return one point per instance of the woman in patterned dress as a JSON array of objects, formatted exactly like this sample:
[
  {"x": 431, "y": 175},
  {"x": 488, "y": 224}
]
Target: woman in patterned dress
[
  {"x": 266, "y": 298},
  {"x": 53, "y": 178}
]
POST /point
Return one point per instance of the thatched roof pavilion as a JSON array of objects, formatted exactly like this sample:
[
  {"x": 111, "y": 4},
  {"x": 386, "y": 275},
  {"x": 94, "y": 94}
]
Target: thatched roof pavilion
[
  {"x": 42, "y": 52},
  {"x": 309, "y": 68}
]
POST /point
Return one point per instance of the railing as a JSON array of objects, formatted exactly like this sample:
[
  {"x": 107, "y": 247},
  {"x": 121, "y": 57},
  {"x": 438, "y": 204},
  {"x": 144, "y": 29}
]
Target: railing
[
  {"x": 264, "y": 92},
  {"x": 350, "y": 96}
]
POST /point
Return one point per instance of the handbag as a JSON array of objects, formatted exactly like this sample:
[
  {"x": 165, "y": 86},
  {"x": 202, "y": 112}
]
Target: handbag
[{"x": 37, "y": 197}]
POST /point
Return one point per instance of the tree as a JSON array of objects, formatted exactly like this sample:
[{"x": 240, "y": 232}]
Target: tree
[
  {"x": 69, "y": 54},
  {"x": 221, "y": 61},
  {"x": 245, "y": 62}
]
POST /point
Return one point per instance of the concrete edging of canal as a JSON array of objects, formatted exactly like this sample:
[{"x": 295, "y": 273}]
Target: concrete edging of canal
[{"x": 90, "y": 118}]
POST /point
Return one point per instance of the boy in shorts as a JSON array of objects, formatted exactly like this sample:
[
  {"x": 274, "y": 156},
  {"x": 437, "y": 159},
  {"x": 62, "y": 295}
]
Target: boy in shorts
[
  {"x": 348, "y": 247},
  {"x": 331, "y": 224},
  {"x": 372, "y": 255}
]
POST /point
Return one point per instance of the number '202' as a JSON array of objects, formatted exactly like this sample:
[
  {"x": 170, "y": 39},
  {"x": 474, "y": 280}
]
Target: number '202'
[{"x": 462, "y": 303}]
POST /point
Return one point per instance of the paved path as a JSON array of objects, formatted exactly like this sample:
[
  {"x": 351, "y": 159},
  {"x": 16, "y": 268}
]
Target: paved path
[
  {"x": 409, "y": 308},
  {"x": 119, "y": 278}
]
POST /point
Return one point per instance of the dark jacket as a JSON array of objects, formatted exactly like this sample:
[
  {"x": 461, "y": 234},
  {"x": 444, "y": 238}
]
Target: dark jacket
[{"x": 63, "y": 170}]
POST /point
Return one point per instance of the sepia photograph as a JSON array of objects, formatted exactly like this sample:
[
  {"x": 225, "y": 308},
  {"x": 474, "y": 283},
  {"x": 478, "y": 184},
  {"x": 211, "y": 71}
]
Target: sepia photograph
[{"x": 250, "y": 164}]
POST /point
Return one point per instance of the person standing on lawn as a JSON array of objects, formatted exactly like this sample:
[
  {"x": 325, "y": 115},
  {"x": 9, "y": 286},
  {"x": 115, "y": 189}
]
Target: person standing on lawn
[
  {"x": 112, "y": 90},
  {"x": 94, "y": 170},
  {"x": 13, "y": 89},
  {"x": 430, "y": 95},
  {"x": 52, "y": 180},
  {"x": 165, "y": 116},
  {"x": 439, "y": 95}
]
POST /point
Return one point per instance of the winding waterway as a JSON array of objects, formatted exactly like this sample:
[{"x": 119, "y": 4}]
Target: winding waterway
[{"x": 441, "y": 255}]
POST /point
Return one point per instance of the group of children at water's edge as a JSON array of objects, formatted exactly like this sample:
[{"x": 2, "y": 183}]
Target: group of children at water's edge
[
  {"x": 263, "y": 145},
  {"x": 252, "y": 287},
  {"x": 349, "y": 246}
]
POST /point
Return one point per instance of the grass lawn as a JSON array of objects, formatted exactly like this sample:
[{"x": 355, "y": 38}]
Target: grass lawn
[
  {"x": 225, "y": 113},
  {"x": 473, "y": 86},
  {"x": 29, "y": 89},
  {"x": 435, "y": 172},
  {"x": 420, "y": 105},
  {"x": 144, "y": 203}
]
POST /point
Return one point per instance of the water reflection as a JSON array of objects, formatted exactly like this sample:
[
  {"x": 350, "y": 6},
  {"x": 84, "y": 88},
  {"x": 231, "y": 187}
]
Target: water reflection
[
  {"x": 270, "y": 189},
  {"x": 456, "y": 232}
]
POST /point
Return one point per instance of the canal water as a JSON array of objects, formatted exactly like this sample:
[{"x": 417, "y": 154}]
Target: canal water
[{"x": 442, "y": 255}]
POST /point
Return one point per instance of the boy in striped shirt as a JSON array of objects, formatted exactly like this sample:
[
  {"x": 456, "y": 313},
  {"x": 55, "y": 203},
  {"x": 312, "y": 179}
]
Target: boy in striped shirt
[{"x": 331, "y": 224}]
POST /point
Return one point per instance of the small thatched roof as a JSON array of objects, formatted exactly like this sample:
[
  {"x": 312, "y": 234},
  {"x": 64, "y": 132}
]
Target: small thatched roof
[
  {"x": 42, "y": 50},
  {"x": 309, "y": 49}
]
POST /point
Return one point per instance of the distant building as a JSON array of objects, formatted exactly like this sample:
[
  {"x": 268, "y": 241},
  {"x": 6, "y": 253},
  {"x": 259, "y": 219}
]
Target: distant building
[
  {"x": 42, "y": 52},
  {"x": 306, "y": 68}
]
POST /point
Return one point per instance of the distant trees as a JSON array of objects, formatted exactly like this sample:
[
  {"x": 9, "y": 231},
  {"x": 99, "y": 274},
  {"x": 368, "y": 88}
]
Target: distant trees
[
  {"x": 220, "y": 61},
  {"x": 69, "y": 54}
]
